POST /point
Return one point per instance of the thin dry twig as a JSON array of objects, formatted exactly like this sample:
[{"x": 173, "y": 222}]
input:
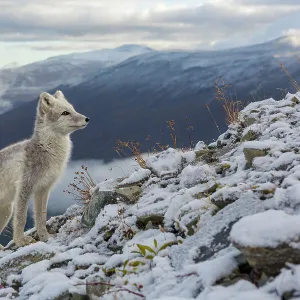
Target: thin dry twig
[{"x": 231, "y": 107}]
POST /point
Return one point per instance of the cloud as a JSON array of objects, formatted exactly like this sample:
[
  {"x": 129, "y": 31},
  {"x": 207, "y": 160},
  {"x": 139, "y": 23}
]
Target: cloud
[
  {"x": 161, "y": 24},
  {"x": 268, "y": 2}
]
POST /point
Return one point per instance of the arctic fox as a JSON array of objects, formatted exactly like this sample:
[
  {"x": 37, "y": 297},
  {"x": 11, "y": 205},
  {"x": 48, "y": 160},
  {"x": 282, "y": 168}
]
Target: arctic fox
[{"x": 33, "y": 166}]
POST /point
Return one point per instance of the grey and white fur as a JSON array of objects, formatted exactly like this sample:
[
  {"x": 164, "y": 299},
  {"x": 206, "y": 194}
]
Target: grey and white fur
[{"x": 31, "y": 167}]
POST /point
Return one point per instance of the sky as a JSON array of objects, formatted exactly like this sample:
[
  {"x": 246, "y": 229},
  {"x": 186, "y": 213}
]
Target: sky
[{"x": 32, "y": 30}]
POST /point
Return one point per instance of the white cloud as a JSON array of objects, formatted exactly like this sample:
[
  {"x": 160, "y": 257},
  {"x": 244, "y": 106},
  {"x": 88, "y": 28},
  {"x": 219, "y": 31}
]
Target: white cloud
[{"x": 162, "y": 24}]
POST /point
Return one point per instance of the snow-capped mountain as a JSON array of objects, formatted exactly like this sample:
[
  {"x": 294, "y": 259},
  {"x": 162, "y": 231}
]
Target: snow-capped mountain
[
  {"x": 134, "y": 98},
  {"x": 21, "y": 84}
]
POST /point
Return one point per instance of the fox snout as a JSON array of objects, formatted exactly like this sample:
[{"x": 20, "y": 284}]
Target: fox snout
[{"x": 87, "y": 120}]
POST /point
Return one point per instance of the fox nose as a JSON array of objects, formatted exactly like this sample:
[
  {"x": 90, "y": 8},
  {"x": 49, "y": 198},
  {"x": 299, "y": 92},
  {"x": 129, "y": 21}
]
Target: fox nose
[{"x": 87, "y": 120}]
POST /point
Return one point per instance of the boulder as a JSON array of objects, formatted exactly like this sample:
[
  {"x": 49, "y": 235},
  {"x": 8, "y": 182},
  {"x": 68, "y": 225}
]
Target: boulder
[
  {"x": 213, "y": 234},
  {"x": 132, "y": 192},
  {"x": 98, "y": 201},
  {"x": 268, "y": 240},
  {"x": 169, "y": 162},
  {"x": 15, "y": 262}
]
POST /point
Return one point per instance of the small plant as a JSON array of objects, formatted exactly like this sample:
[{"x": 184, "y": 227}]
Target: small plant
[
  {"x": 231, "y": 108},
  {"x": 133, "y": 148},
  {"x": 190, "y": 129},
  {"x": 171, "y": 125},
  {"x": 149, "y": 252},
  {"x": 81, "y": 186},
  {"x": 128, "y": 233}
]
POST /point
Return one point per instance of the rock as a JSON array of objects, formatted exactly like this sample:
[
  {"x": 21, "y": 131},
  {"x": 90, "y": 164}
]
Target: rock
[
  {"x": 248, "y": 121},
  {"x": 200, "y": 146},
  {"x": 131, "y": 192},
  {"x": 156, "y": 220},
  {"x": 207, "y": 192},
  {"x": 79, "y": 297},
  {"x": 98, "y": 201},
  {"x": 250, "y": 136},
  {"x": 63, "y": 296},
  {"x": 222, "y": 168},
  {"x": 14, "y": 263},
  {"x": 251, "y": 153},
  {"x": 108, "y": 234},
  {"x": 268, "y": 260},
  {"x": 268, "y": 245},
  {"x": 214, "y": 233},
  {"x": 295, "y": 100},
  {"x": 96, "y": 287},
  {"x": 225, "y": 196},
  {"x": 169, "y": 162},
  {"x": 193, "y": 175},
  {"x": 191, "y": 226},
  {"x": 205, "y": 155},
  {"x": 136, "y": 178},
  {"x": 8, "y": 293}
]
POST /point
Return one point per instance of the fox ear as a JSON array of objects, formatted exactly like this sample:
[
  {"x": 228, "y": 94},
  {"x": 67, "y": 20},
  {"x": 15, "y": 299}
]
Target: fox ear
[
  {"x": 59, "y": 95},
  {"x": 46, "y": 103}
]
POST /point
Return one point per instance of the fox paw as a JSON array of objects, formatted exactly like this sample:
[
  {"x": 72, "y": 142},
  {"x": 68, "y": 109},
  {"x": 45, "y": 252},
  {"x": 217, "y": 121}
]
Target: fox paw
[
  {"x": 1, "y": 247},
  {"x": 43, "y": 237},
  {"x": 24, "y": 241}
]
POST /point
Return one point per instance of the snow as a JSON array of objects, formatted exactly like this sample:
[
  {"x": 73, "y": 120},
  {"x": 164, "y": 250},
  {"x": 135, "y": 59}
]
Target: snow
[
  {"x": 242, "y": 290},
  {"x": 267, "y": 229},
  {"x": 200, "y": 238},
  {"x": 167, "y": 162},
  {"x": 137, "y": 176},
  {"x": 45, "y": 286}
]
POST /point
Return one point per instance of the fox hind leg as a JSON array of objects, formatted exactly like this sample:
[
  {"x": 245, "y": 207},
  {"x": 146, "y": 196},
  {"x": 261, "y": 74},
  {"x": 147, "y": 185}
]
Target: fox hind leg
[{"x": 5, "y": 215}]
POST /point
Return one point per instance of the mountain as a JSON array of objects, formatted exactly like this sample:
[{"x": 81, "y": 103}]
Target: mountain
[
  {"x": 135, "y": 98},
  {"x": 22, "y": 84}
]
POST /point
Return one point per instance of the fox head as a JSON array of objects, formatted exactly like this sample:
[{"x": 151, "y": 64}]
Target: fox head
[{"x": 55, "y": 113}]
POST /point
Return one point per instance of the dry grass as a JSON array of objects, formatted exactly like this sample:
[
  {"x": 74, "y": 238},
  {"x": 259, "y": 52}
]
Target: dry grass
[
  {"x": 171, "y": 125},
  {"x": 81, "y": 186},
  {"x": 231, "y": 107},
  {"x": 134, "y": 149}
]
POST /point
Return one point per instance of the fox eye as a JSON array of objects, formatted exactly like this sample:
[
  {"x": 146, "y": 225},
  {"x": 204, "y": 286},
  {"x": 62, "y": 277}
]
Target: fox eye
[{"x": 65, "y": 113}]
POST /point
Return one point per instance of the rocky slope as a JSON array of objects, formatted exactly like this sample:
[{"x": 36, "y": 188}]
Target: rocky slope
[{"x": 219, "y": 222}]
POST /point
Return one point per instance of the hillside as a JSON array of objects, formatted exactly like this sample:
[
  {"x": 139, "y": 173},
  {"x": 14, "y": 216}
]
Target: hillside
[
  {"x": 135, "y": 98},
  {"x": 217, "y": 222}
]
